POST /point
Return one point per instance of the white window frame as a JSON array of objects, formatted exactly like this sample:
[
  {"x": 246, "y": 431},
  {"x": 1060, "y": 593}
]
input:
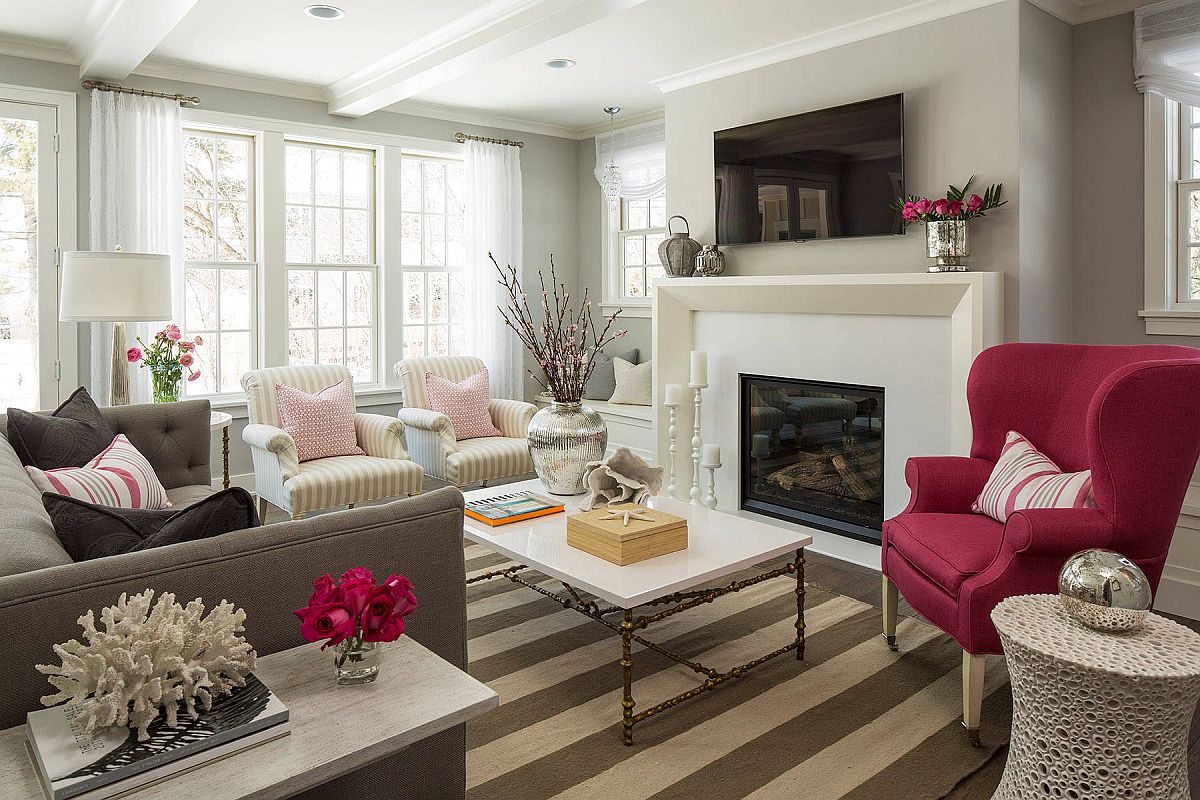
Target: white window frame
[
  {"x": 613, "y": 236},
  {"x": 252, "y": 264},
  {"x": 390, "y": 149}
]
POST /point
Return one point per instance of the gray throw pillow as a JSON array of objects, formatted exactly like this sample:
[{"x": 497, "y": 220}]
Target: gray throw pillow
[
  {"x": 89, "y": 531},
  {"x": 70, "y": 437},
  {"x": 603, "y": 381}
]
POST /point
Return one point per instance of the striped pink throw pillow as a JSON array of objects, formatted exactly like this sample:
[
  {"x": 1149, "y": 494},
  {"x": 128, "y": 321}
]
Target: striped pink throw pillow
[
  {"x": 119, "y": 476},
  {"x": 321, "y": 424},
  {"x": 1024, "y": 478},
  {"x": 465, "y": 403}
]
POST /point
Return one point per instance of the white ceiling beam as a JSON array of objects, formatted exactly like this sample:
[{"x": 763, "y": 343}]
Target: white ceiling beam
[
  {"x": 494, "y": 31},
  {"x": 120, "y": 34}
]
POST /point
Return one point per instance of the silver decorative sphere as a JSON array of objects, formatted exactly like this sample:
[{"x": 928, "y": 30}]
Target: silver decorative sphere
[{"x": 1104, "y": 590}]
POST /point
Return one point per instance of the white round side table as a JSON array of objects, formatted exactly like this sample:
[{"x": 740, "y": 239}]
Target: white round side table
[
  {"x": 219, "y": 420},
  {"x": 1096, "y": 714}
]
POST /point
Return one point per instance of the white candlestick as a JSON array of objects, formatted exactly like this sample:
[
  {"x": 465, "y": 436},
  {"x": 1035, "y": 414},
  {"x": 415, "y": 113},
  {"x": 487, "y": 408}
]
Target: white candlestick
[
  {"x": 710, "y": 456},
  {"x": 699, "y": 368},
  {"x": 710, "y": 498},
  {"x": 696, "y": 443},
  {"x": 671, "y": 450},
  {"x": 672, "y": 395}
]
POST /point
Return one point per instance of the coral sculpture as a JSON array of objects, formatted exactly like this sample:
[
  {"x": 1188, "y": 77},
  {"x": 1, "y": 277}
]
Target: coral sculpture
[
  {"x": 623, "y": 477},
  {"x": 150, "y": 658}
]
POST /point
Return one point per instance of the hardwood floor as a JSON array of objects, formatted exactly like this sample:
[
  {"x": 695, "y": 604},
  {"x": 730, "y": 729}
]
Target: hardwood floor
[{"x": 852, "y": 580}]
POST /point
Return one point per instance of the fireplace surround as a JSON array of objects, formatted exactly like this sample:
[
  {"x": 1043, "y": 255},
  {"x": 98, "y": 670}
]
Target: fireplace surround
[{"x": 811, "y": 452}]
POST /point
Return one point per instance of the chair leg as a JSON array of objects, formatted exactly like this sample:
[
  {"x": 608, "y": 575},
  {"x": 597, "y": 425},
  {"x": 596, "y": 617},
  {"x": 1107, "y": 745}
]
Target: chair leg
[
  {"x": 262, "y": 510},
  {"x": 891, "y": 596},
  {"x": 298, "y": 515},
  {"x": 349, "y": 506},
  {"x": 972, "y": 674}
]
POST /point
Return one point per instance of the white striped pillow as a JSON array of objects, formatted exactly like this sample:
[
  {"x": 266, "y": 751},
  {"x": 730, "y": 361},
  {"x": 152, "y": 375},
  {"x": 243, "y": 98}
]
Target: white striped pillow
[
  {"x": 1024, "y": 478},
  {"x": 119, "y": 476}
]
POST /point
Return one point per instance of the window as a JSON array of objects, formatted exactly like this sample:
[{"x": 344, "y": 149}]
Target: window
[
  {"x": 642, "y": 229},
  {"x": 432, "y": 254},
  {"x": 220, "y": 269},
  {"x": 330, "y": 254},
  {"x": 1188, "y": 200}
]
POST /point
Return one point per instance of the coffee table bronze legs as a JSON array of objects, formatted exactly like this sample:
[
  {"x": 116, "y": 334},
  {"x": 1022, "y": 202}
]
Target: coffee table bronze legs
[{"x": 630, "y": 624}]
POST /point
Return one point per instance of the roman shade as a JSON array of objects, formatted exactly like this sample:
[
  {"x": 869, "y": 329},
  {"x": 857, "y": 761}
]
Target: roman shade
[{"x": 1167, "y": 55}]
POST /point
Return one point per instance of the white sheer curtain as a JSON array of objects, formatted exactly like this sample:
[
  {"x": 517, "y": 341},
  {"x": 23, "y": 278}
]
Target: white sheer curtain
[
  {"x": 1167, "y": 57},
  {"x": 494, "y": 225},
  {"x": 641, "y": 153},
  {"x": 136, "y": 174}
]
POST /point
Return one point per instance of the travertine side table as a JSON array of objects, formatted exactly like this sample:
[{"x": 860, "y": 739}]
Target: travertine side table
[{"x": 1096, "y": 714}]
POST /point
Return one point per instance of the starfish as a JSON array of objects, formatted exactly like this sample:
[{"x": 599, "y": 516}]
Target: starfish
[{"x": 625, "y": 516}]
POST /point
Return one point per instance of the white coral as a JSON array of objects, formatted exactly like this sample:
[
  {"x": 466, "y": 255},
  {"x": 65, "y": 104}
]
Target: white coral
[
  {"x": 623, "y": 477},
  {"x": 150, "y": 658}
]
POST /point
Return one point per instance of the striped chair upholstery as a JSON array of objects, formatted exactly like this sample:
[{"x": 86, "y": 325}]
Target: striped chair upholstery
[
  {"x": 281, "y": 479},
  {"x": 430, "y": 435}
]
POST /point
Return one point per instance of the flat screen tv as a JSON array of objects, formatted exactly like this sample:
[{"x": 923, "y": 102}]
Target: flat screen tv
[{"x": 828, "y": 174}]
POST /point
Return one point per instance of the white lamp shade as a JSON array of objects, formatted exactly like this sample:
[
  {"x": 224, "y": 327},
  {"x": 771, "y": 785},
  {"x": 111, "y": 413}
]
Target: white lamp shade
[{"x": 115, "y": 287}]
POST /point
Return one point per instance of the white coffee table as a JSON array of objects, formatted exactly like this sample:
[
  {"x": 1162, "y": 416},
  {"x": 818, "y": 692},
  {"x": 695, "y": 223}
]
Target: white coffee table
[{"x": 719, "y": 544}]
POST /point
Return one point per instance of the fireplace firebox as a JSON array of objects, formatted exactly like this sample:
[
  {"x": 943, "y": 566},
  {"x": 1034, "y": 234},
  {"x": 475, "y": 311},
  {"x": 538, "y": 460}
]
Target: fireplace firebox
[{"x": 812, "y": 452}]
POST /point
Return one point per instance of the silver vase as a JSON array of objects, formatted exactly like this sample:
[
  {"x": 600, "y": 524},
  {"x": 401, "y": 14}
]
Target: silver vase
[
  {"x": 563, "y": 438},
  {"x": 947, "y": 242}
]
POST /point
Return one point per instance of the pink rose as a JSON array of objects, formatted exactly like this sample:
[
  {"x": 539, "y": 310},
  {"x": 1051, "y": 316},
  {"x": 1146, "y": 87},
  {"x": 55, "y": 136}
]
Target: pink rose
[
  {"x": 195, "y": 375},
  {"x": 356, "y": 590},
  {"x": 186, "y": 346},
  {"x": 910, "y": 211},
  {"x": 942, "y": 207},
  {"x": 357, "y": 572},
  {"x": 324, "y": 591},
  {"x": 173, "y": 333},
  {"x": 923, "y": 206},
  {"x": 956, "y": 207},
  {"x": 198, "y": 341},
  {"x": 186, "y": 359},
  {"x": 974, "y": 203},
  {"x": 388, "y": 605},
  {"x": 330, "y": 621},
  {"x": 133, "y": 355}
]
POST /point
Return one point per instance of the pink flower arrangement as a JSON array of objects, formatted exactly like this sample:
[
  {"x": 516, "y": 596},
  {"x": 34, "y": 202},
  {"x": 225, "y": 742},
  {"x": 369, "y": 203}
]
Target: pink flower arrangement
[
  {"x": 957, "y": 204},
  {"x": 167, "y": 355},
  {"x": 354, "y": 609}
]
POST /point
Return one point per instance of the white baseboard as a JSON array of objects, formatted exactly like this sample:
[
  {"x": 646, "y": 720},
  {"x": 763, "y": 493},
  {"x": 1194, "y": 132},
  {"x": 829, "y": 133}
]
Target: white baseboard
[
  {"x": 244, "y": 480},
  {"x": 1179, "y": 592}
]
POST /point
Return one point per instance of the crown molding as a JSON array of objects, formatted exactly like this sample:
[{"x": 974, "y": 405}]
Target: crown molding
[
  {"x": 204, "y": 76},
  {"x": 470, "y": 116},
  {"x": 592, "y": 131},
  {"x": 36, "y": 49}
]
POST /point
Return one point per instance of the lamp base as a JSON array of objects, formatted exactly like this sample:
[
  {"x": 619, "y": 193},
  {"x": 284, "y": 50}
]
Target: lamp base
[{"x": 119, "y": 390}]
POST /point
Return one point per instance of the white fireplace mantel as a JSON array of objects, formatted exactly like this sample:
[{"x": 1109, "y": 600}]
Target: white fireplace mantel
[{"x": 869, "y": 324}]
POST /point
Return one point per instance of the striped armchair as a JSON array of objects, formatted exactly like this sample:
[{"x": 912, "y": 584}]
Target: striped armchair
[
  {"x": 431, "y": 436},
  {"x": 280, "y": 478}
]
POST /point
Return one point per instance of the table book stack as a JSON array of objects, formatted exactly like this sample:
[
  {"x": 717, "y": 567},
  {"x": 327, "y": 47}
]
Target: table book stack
[{"x": 609, "y": 534}]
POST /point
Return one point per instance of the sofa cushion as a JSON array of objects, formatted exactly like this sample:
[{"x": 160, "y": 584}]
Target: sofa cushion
[
  {"x": 635, "y": 383},
  {"x": 183, "y": 496},
  {"x": 946, "y": 548},
  {"x": 322, "y": 423},
  {"x": 1024, "y": 478},
  {"x": 69, "y": 437},
  {"x": 89, "y": 531},
  {"x": 464, "y": 402},
  {"x": 602, "y": 382},
  {"x": 27, "y": 540},
  {"x": 487, "y": 458},
  {"x": 120, "y": 476}
]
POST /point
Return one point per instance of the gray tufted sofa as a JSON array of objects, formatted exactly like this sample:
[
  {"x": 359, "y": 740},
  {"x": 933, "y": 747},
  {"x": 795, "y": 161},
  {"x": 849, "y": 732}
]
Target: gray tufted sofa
[{"x": 265, "y": 570}]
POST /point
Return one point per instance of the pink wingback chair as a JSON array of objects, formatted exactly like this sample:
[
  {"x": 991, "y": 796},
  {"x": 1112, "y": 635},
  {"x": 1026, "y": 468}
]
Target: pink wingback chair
[{"x": 1129, "y": 414}]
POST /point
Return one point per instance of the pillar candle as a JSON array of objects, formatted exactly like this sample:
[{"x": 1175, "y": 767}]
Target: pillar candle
[
  {"x": 672, "y": 394},
  {"x": 699, "y": 368},
  {"x": 710, "y": 456},
  {"x": 760, "y": 445}
]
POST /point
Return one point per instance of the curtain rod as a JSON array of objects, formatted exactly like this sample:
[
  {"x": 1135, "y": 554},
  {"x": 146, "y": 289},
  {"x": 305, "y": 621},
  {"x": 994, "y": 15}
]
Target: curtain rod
[
  {"x": 101, "y": 86},
  {"x": 462, "y": 137}
]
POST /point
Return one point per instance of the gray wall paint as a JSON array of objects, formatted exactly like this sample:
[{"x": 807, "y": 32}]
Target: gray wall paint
[
  {"x": 548, "y": 167},
  {"x": 1045, "y": 177}
]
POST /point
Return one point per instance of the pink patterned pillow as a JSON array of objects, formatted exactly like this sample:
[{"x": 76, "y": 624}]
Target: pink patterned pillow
[
  {"x": 465, "y": 403},
  {"x": 119, "y": 476},
  {"x": 322, "y": 424},
  {"x": 1024, "y": 478}
]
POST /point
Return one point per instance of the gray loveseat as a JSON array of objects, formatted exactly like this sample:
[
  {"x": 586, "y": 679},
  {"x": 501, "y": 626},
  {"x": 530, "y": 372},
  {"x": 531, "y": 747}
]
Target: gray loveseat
[{"x": 265, "y": 570}]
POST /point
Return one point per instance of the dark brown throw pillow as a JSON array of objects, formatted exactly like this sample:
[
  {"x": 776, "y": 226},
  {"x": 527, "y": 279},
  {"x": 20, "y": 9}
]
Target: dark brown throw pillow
[
  {"x": 90, "y": 531},
  {"x": 70, "y": 437}
]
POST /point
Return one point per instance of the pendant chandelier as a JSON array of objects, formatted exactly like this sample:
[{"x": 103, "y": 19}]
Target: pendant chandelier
[{"x": 610, "y": 177}]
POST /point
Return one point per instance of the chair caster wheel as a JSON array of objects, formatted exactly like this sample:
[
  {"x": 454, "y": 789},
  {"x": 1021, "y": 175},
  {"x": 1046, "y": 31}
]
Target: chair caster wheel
[
  {"x": 891, "y": 643},
  {"x": 973, "y": 736}
]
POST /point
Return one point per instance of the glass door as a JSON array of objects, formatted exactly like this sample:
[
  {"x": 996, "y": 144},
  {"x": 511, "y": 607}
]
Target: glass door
[{"x": 29, "y": 331}]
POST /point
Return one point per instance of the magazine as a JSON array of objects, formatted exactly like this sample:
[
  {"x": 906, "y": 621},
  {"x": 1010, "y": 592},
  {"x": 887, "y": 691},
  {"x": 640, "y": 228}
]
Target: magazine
[
  {"x": 70, "y": 762},
  {"x": 507, "y": 508}
]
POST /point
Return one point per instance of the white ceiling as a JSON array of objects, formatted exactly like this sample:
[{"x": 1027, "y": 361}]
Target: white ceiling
[{"x": 477, "y": 61}]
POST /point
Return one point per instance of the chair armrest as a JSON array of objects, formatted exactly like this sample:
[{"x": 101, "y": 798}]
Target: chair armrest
[
  {"x": 430, "y": 439},
  {"x": 380, "y": 436},
  {"x": 512, "y": 416},
  {"x": 277, "y": 442},
  {"x": 1056, "y": 532},
  {"x": 945, "y": 484},
  {"x": 426, "y": 420}
]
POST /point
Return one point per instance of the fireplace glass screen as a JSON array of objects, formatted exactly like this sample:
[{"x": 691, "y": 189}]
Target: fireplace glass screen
[{"x": 812, "y": 452}]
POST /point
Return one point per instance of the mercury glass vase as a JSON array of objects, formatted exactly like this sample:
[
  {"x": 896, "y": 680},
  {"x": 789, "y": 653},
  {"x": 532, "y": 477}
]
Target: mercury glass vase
[
  {"x": 947, "y": 242},
  {"x": 563, "y": 438},
  {"x": 356, "y": 661}
]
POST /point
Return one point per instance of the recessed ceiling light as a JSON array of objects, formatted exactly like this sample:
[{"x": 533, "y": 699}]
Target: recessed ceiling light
[
  {"x": 560, "y": 63},
  {"x": 324, "y": 12}
]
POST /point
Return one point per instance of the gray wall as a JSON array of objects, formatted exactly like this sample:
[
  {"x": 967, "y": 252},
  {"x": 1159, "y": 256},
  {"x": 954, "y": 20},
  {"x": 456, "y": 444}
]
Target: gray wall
[{"x": 548, "y": 166}]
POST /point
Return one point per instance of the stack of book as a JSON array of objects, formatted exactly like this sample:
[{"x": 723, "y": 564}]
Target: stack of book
[{"x": 505, "y": 509}]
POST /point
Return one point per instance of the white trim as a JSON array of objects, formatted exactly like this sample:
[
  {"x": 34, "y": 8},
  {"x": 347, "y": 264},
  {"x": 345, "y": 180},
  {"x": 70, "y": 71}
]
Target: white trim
[
  {"x": 169, "y": 69},
  {"x": 36, "y": 49},
  {"x": 471, "y": 116},
  {"x": 119, "y": 36},
  {"x": 1179, "y": 589},
  {"x": 592, "y": 131}
]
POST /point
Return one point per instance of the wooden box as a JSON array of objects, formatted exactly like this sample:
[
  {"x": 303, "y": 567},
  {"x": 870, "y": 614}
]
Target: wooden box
[{"x": 657, "y": 534}]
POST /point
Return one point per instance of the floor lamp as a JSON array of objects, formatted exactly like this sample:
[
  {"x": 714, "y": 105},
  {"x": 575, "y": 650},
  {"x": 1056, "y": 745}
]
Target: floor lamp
[{"x": 116, "y": 287}]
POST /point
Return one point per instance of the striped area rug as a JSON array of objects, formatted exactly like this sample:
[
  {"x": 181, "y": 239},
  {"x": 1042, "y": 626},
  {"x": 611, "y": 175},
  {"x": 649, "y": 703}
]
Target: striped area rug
[{"x": 854, "y": 720}]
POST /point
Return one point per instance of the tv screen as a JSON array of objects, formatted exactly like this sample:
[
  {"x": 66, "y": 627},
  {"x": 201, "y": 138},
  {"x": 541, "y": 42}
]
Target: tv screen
[{"x": 826, "y": 174}]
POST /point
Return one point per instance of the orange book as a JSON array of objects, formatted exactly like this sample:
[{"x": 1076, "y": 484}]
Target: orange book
[{"x": 508, "y": 508}]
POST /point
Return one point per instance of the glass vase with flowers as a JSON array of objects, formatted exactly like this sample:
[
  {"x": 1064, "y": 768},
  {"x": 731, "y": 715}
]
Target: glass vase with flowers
[{"x": 167, "y": 357}]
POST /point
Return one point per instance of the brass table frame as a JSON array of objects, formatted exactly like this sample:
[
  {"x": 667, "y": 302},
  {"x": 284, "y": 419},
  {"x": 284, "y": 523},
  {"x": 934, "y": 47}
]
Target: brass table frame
[{"x": 630, "y": 623}]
